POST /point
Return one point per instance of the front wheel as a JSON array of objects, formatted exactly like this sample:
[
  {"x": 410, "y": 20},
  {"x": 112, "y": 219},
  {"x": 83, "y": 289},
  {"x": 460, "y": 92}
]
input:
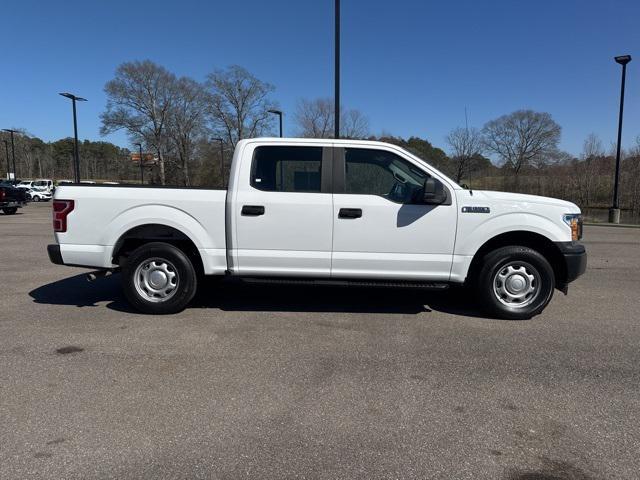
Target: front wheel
[
  {"x": 159, "y": 278},
  {"x": 515, "y": 283},
  {"x": 10, "y": 210}
]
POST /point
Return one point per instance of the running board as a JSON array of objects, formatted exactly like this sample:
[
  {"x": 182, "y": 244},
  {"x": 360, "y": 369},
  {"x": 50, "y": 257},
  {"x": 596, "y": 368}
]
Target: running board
[{"x": 347, "y": 283}]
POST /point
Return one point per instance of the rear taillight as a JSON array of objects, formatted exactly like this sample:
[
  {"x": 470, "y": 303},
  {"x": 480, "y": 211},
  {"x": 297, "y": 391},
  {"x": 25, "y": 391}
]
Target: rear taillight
[
  {"x": 61, "y": 208},
  {"x": 2, "y": 194}
]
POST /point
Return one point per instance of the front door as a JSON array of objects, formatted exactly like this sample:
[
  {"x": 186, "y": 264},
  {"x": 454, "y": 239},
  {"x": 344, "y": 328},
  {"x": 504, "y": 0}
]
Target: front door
[
  {"x": 381, "y": 227},
  {"x": 283, "y": 215}
]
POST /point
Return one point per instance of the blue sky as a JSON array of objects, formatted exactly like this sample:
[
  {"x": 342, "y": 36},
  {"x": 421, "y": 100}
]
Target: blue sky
[{"x": 412, "y": 66}]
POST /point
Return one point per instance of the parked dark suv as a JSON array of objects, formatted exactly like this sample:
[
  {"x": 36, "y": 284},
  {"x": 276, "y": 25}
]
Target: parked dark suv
[{"x": 11, "y": 198}]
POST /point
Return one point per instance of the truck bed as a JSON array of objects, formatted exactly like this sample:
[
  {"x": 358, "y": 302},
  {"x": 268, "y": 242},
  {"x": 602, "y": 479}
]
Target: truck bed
[
  {"x": 10, "y": 195},
  {"x": 103, "y": 214}
]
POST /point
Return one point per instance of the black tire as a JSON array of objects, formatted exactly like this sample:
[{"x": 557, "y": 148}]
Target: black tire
[
  {"x": 524, "y": 269},
  {"x": 36, "y": 198},
  {"x": 10, "y": 210},
  {"x": 138, "y": 291}
]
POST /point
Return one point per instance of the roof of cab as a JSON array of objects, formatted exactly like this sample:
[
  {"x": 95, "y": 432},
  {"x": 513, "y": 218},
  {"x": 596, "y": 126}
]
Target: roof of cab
[{"x": 324, "y": 141}]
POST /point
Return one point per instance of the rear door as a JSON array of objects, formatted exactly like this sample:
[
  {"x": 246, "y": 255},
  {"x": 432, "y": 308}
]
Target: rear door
[
  {"x": 283, "y": 211},
  {"x": 381, "y": 227}
]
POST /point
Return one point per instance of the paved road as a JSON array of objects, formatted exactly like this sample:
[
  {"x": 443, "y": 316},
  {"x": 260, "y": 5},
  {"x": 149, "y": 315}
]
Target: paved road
[{"x": 257, "y": 382}]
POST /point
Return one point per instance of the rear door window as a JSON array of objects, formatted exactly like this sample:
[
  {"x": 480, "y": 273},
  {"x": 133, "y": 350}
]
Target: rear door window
[{"x": 287, "y": 169}]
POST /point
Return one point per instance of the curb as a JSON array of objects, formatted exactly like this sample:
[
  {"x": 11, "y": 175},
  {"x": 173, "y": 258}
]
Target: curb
[{"x": 615, "y": 225}]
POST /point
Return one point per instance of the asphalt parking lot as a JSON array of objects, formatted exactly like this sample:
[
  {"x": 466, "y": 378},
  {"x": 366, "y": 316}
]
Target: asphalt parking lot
[{"x": 282, "y": 382}]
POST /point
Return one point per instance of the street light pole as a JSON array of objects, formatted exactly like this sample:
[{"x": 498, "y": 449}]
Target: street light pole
[
  {"x": 221, "y": 159},
  {"x": 141, "y": 166},
  {"x": 76, "y": 156},
  {"x": 614, "y": 212},
  {"x": 6, "y": 151},
  {"x": 279, "y": 113},
  {"x": 13, "y": 151},
  {"x": 336, "y": 100}
]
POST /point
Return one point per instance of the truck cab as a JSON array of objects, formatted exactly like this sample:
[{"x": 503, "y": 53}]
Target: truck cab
[{"x": 341, "y": 211}]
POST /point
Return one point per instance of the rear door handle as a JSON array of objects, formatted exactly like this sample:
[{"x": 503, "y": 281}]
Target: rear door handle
[
  {"x": 350, "y": 213},
  {"x": 252, "y": 210}
]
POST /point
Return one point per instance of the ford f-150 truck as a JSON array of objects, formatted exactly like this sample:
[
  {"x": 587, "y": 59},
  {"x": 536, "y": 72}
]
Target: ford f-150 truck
[{"x": 323, "y": 211}]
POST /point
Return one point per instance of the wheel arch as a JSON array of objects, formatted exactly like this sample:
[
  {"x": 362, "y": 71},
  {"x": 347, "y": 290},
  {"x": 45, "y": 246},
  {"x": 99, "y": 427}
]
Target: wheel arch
[
  {"x": 543, "y": 245},
  {"x": 155, "y": 232}
]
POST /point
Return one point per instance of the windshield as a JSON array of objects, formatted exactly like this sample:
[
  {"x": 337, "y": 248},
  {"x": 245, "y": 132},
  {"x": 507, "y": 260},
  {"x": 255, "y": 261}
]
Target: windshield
[{"x": 415, "y": 157}]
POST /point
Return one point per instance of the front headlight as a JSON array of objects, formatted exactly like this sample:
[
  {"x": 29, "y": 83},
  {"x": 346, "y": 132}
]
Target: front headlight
[{"x": 574, "y": 220}]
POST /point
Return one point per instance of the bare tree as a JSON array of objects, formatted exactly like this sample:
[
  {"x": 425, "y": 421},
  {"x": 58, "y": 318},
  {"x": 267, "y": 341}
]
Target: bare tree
[
  {"x": 632, "y": 176},
  {"x": 315, "y": 119},
  {"x": 239, "y": 104},
  {"x": 354, "y": 124},
  {"x": 522, "y": 138},
  {"x": 139, "y": 100},
  {"x": 592, "y": 147},
  {"x": 466, "y": 144},
  {"x": 187, "y": 121},
  {"x": 585, "y": 171}
]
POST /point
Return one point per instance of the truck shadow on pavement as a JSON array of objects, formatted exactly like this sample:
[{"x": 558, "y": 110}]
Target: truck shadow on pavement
[{"x": 237, "y": 296}]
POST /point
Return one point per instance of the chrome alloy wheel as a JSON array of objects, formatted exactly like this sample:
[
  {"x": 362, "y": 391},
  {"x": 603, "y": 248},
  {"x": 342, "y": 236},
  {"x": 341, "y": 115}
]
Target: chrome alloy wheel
[
  {"x": 156, "y": 280},
  {"x": 516, "y": 284}
]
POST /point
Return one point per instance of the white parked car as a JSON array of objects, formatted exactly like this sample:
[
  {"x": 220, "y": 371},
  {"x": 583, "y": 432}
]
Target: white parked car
[
  {"x": 328, "y": 211},
  {"x": 36, "y": 194},
  {"x": 39, "y": 184},
  {"x": 25, "y": 184}
]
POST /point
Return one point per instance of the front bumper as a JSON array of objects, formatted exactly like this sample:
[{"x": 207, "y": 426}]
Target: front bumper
[
  {"x": 575, "y": 258},
  {"x": 54, "y": 254}
]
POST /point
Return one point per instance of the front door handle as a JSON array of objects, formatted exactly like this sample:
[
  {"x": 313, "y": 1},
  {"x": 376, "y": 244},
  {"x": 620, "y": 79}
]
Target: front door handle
[
  {"x": 350, "y": 213},
  {"x": 252, "y": 210}
]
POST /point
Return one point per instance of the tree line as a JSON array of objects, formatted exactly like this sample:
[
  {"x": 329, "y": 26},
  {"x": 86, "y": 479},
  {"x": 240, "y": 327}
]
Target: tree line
[{"x": 183, "y": 123}]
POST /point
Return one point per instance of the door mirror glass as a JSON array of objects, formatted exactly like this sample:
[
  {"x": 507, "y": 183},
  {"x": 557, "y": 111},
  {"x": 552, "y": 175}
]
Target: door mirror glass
[{"x": 434, "y": 192}]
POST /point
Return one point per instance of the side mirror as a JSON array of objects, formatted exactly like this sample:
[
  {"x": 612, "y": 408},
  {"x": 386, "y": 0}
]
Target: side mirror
[{"x": 434, "y": 192}]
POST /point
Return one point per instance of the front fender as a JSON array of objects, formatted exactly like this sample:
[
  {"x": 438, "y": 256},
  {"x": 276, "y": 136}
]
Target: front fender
[{"x": 473, "y": 234}]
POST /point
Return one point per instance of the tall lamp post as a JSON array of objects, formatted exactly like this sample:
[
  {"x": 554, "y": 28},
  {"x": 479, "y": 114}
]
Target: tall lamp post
[
  {"x": 13, "y": 151},
  {"x": 221, "y": 159},
  {"x": 76, "y": 157},
  {"x": 141, "y": 165},
  {"x": 614, "y": 211},
  {"x": 279, "y": 113},
  {"x": 336, "y": 100},
  {"x": 6, "y": 151}
]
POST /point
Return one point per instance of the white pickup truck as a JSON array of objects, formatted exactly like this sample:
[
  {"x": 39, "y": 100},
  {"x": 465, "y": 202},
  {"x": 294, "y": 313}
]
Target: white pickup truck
[{"x": 323, "y": 211}]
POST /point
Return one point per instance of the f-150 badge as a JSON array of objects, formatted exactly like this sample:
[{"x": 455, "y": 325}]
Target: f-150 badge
[{"x": 476, "y": 210}]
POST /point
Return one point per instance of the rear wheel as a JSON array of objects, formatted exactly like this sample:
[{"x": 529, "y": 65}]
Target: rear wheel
[
  {"x": 159, "y": 278},
  {"x": 10, "y": 210},
  {"x": 515, "y": 283}
]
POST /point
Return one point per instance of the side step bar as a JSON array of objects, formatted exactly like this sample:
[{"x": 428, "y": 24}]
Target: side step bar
[{"x": 347, "y": 283}]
